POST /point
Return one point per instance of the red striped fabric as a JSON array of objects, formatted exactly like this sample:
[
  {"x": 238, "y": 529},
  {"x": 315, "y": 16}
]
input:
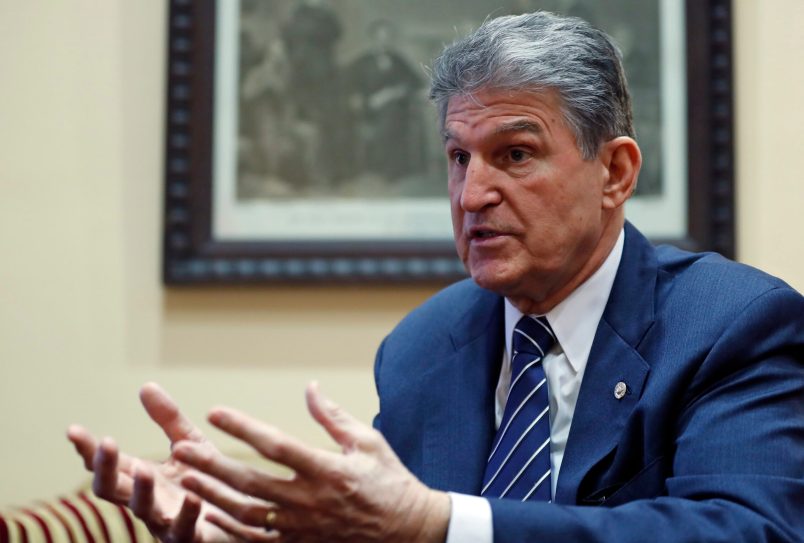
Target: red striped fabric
[
  {"x": 132, "y": 533},
  {"x": 97, "y": 515},
  {"x": 42, "y": 524},
  {"x": 77, "y": 514},
  {"x": 23, "y": 531},
  {"x": 4, "y": 537},
  {"x": 69, "y": 519},
  {"x": 55, "y": 512}
]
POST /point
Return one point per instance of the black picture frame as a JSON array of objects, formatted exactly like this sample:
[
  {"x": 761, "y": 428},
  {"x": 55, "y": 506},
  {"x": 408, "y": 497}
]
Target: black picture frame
[{"x": 191, "y": 254}]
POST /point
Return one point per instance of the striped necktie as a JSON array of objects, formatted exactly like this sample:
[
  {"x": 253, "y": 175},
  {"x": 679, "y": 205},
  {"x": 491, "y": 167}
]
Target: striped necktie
[{"x": 519, "y": 464}]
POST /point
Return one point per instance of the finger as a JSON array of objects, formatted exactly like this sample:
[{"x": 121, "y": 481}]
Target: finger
[
  {"x": 85, "y": 444},
  {"x": 165, "y": 412},
  {"x": 104, "y": 465},
  {"x": 281, "y": 520},
  {"x": 143, "y": 505},
  {"x": 141, "y": 502},
  {"x": 108, "y": 483},
  {"x": 237, "y": 475},
  {"x": 245, "y": 509},
  {"x": 270, "y": 442},
  {"x": 346, "y": 430},
  {"x": 183, "y": 528},
  {"x": 241, "y": 532}
]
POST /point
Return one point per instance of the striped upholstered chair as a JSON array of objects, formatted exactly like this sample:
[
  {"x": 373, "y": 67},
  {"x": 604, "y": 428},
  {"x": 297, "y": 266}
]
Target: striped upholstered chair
[{"x": 75, "y": 518}]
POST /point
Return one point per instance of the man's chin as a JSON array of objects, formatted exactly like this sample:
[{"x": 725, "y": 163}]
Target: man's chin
[{"x": 493, "y": 280}]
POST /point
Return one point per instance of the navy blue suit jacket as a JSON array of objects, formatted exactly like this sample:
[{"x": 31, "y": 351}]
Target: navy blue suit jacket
[{"x": 707, "y": 445}]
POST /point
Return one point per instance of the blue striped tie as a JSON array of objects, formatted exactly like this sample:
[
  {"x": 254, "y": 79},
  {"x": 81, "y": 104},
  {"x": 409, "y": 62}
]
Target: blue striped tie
[{"x": 519, "y": 464}]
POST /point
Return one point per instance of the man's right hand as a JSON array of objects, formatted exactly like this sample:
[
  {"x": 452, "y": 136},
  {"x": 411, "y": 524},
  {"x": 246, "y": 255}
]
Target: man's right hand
[{"x": 153, "y": 490}]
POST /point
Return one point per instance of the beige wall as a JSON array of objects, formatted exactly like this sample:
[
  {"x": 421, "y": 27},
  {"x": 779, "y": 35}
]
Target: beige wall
[
  {"x": 770, "y": 89},
  {"x": 83, "y": 317}
]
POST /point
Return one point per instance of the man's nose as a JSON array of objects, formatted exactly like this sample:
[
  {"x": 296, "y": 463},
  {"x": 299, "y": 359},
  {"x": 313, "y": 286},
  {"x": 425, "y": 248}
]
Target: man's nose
[{"x": 480, "y": 186}]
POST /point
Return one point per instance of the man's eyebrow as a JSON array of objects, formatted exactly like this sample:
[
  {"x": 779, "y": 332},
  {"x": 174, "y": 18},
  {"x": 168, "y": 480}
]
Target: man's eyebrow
[
  {"x": 520, "y": 125},
  {"x": 446, "y": 135}
]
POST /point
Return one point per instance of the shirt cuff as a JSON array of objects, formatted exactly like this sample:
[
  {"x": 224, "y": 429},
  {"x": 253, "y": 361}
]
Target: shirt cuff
[{"x": 470, "y": 520}]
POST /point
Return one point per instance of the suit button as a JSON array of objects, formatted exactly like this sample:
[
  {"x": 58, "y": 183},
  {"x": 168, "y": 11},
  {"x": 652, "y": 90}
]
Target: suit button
[{"x": 619, "y": 390}]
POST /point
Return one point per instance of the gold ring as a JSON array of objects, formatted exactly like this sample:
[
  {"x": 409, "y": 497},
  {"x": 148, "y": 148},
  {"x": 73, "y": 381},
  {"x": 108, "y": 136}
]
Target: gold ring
[{"x": 270, "y": 519}]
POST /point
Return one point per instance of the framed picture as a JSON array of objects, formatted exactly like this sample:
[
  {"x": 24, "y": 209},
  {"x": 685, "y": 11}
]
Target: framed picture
[{"x": 301, "y": 146}]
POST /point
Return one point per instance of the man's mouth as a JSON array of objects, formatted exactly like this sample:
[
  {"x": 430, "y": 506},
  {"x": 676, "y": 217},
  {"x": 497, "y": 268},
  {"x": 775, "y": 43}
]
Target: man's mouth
[{"x": 481, "y": 232}]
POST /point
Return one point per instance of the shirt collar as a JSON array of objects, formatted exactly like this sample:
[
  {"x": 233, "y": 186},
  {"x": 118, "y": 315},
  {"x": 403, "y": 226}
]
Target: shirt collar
[{"x": 575, "y": 319}]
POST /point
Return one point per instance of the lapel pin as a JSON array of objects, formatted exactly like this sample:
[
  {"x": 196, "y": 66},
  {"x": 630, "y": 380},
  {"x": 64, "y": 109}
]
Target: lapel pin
[{"x": 619, "y": 390}]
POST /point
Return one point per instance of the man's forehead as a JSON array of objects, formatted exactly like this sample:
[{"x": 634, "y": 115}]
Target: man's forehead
[{"x": 512, "y": 110}]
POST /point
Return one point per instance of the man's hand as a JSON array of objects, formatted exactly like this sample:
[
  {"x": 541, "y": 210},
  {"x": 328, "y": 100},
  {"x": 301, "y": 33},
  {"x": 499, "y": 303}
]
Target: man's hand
[
  {"x": 362, "y": 494},
  {"x": 152, "y": 490}
]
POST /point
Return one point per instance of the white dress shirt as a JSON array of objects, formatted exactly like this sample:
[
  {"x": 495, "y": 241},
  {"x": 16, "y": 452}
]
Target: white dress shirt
[{"x": 574, "y": 322}]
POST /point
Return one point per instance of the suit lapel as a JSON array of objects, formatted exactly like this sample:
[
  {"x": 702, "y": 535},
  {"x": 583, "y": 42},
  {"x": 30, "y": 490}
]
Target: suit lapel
[
  {"x": 600, "y": 417},
  {"x": 460, "y": 401}
]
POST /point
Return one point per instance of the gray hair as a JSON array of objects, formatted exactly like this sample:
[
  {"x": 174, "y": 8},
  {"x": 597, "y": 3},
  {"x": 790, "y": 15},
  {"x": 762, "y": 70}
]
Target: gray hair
[{"x": 537, "y": 52}]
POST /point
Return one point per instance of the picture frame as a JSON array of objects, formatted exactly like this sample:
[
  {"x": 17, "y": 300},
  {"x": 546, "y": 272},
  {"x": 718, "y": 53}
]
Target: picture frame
[{"x": 379, "y": 222}]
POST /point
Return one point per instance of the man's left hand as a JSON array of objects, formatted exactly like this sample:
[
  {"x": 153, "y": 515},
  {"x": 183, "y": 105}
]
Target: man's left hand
[{"x": 362, "y": 494}]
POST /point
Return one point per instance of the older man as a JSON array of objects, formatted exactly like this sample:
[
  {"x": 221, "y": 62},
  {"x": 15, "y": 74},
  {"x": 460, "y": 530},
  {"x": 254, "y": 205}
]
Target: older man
[{"x": 583, "y": 386}]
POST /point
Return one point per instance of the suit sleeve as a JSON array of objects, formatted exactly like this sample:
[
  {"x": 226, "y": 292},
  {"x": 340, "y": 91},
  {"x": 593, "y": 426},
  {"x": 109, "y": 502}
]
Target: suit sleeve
[
  {"x": 377, "y": 422},
  {"x": 738, "y": 464}
]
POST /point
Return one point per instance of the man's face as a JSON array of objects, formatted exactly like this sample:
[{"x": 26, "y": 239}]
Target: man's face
[{"x": 527, "y": 209}]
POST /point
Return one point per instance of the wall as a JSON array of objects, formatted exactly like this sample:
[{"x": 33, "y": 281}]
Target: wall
[
  {"x": 84, "y": 320},
  {"x": 769, "y": 78}
]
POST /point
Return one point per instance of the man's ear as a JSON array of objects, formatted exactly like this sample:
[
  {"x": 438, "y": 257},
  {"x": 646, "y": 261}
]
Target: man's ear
[{"x": 622, "y": 159}]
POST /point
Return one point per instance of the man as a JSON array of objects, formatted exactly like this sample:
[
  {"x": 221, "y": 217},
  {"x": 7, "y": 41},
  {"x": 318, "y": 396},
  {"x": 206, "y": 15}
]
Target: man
[{"x": 587, "y": 385}]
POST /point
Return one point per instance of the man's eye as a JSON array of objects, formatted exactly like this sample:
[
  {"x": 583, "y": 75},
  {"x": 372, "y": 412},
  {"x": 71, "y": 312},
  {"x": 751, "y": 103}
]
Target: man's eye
[
  {"x": 518, "y": 155},
  {"x": 460, "y": 158}
]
